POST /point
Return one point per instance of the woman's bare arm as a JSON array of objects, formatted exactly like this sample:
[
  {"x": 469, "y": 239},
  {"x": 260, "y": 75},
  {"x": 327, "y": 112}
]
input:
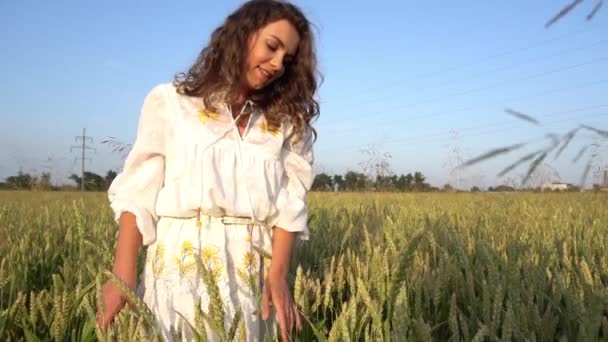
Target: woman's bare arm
[{"x": 127, "y": 249}]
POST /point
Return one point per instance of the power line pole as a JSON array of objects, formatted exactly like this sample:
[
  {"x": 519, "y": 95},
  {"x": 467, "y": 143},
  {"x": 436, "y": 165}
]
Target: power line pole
[{"x": 84, "y": 139}]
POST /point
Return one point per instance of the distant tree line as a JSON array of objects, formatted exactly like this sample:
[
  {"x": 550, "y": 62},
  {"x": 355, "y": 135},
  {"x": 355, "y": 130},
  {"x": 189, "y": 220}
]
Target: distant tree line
[
  {"x": 27, "y": 181},
  {"x": 351, "y": 181},
  {"x": 357, "y": 181}
]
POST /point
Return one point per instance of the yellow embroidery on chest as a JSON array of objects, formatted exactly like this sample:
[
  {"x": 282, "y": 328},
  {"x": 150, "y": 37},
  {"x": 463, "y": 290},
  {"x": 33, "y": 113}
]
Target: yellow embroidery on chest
[
  {"x": 204, "y": 115},
  {"x": 266, "y": 128}
]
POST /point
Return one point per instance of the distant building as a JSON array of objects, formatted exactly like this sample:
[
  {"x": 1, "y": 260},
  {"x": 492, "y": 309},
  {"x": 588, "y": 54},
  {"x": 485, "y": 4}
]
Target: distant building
[{"x": 554, "y": 186}]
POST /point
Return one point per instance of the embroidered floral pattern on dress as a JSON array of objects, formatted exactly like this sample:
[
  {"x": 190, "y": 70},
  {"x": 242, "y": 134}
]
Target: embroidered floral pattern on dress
[
  {"x": 158, "y": 263},
  {"x": 210, "y": 258},
  {"x": 267, "y": 129},
  {"x": 247, "y": 272},
  {"x": 186, "y": 262},
  {"x": 204, "y": 115}
]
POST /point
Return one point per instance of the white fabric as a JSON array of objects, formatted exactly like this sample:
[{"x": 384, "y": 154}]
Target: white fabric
[
  {"x": 186, "y": 158},
  {"x": 172, "y": 283}
]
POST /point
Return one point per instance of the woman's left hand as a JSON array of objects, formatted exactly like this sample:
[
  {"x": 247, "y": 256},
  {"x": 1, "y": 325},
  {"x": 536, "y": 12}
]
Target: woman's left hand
[{"x": 276, "y": 293}]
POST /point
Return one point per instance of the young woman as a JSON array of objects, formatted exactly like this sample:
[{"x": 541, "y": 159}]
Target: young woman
[{"x": 217, "y": 179}]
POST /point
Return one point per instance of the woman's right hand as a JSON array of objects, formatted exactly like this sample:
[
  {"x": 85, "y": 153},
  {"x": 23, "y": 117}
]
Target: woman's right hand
[
  {"x": 125, "y": 265},
  {"x": 113, "y": 301}
]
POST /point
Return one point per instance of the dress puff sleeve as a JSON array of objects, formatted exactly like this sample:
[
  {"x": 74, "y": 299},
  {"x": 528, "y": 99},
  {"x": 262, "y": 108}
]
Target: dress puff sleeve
[
  {"x": 136, "y": 187},
  {"x": 297, "y": 157}
]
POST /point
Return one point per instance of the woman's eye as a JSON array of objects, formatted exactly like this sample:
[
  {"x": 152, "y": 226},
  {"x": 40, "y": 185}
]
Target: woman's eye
[{"x": 272, "y": 47}]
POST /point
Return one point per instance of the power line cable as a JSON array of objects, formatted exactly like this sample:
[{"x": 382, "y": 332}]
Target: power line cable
[{"x": 484, "y": 88}]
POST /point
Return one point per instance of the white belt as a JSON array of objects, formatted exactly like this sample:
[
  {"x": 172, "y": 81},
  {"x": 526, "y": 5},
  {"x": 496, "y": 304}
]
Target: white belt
[
  {"x": 225, "y": 220},
  {"x": 228, "y": 220}
]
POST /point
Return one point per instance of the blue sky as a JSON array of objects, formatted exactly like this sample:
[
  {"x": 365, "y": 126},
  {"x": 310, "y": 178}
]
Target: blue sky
[{"x": 412, "y": 79}]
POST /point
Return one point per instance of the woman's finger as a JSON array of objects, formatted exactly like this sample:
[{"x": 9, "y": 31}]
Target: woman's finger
[
  {"x": 281, "y": 315},
  {"x": 108, "y": 315},
  {"x": 283, "y": 326},
  {"x": 100, "y": 320},
  {"x": 290, "y": 319}
]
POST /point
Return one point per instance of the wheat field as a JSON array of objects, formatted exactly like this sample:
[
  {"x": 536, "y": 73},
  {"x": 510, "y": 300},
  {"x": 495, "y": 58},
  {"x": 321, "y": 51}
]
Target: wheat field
[{"x": 378, "y": 267}]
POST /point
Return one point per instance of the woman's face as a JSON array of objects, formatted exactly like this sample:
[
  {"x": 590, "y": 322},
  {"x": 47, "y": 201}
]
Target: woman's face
[{"x": 271, "y": 49}]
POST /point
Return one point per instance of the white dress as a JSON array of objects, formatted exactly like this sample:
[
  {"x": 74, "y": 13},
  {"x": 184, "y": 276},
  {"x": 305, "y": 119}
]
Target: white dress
[{"x": 188, "y": 161}]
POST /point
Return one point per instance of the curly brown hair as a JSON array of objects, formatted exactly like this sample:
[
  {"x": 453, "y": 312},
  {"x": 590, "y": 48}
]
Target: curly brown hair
[{"x": 219, "y": 66}]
